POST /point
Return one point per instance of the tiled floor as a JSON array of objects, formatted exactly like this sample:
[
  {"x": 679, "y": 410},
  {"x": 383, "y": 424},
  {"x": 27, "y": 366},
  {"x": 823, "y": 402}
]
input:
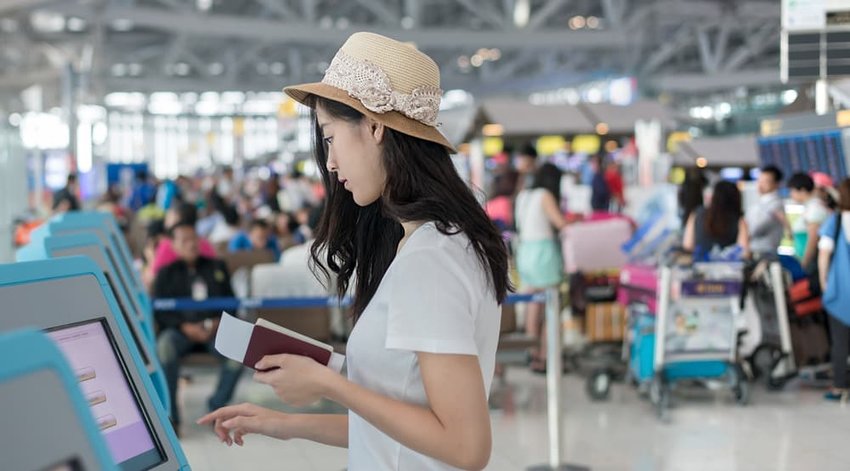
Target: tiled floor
[{"x": 787, "y": 431}]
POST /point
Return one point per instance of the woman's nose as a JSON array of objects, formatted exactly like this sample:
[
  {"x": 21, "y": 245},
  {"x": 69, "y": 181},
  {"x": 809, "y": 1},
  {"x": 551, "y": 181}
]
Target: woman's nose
[{"x": 331, "y": 164}]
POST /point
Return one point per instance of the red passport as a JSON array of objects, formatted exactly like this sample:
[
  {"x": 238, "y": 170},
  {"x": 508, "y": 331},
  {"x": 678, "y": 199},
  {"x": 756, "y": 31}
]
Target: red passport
[{"x": 248, "y": 343}]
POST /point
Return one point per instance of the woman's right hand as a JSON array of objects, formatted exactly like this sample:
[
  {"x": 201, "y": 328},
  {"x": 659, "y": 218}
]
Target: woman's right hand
[{"x": 232, "y": 423}]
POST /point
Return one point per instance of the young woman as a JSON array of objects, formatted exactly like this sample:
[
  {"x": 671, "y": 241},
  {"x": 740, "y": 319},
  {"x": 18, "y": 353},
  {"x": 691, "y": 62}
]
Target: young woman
[
  {"x": 834, "y": 263},
  {"x": 539, "y": 261},
  {"x": 721, "y": 225},
  {"x": 430, "y": 271}
]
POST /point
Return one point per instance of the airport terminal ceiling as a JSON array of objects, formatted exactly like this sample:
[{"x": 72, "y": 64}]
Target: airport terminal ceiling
[{"x": 487, "y": 47}]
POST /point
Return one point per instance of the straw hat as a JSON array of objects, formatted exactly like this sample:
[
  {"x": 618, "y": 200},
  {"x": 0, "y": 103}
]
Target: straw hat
[{"x": 386, "y": 80}]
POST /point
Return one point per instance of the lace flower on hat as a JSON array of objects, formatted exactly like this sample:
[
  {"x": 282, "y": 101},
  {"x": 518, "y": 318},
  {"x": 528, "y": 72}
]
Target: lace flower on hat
[{"x": 369, "y": 84}]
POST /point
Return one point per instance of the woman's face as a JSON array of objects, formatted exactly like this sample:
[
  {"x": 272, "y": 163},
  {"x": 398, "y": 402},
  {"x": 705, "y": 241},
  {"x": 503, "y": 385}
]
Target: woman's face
[{"x": 354, "y": 155}]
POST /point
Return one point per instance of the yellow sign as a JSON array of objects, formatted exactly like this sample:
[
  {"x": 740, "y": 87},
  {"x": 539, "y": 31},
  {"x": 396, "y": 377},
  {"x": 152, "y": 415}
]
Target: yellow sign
[
  {"x": 288, "y": 108},
  {"x": 238, "y": 127},
  {"x": 493, "y": 145},
  {"x": 770, "y": 127},
  {"x": 548, "y": 145},
  {"x": 842, "y": 118},
  {"x": 675, "y": 138},
  {"x": 586, "y": 143}
]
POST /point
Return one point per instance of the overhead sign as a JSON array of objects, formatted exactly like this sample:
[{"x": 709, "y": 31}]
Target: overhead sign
[{"x": 815, "y": 39}]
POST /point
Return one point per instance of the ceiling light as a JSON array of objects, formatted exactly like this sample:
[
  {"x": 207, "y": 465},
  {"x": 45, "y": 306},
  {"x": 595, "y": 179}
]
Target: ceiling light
[
  {"x": 215, "y": 68},
  {"x": 47, "y": 21},
  {"x": 122, "y": 24},
  {"x": 522, "y": 13},
  {"x": 476, "y": 60},
  {"x": 592, "y": 22},
  {"x": 602, "y": 129},
  {"x": 702, "y": 162},
  {"x": 76, "y": 25},
  {"x": 277, "y": 68},
  {"x": 492, "y": 130}
]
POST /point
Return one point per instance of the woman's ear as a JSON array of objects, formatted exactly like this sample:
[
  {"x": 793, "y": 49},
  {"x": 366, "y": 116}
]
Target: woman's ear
[{"x": 376, "y": 130}]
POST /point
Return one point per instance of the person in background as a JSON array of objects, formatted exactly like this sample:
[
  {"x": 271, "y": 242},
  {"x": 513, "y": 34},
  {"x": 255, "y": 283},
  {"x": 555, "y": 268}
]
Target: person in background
[
  {"x": 690, "y": 194},
  {"x": 199, "y": 277},
  {"x": 614, "y": 180},
  {"x": 155, "y": 235},
  {"x": 766, "y": 220},
  {"x": 539, "y": 261},
  {"x": 285, "y": 229},
  {"x": 806, "y": 227},
  {"x": 66, "y": 199},
  {"x": 110, "y": 202},
  {"x": 718, "y": 226},
  {"x": 834, "y": 270},
  {"x": 500, "y": 207},
  {"x": 144, "y": 192},
  {"x": 600, "y": 196},
  {"x": 165, "y": 253},
  {"x": 258, "y": 237},
  {"x": 226, "y": 228},
  {"x": 526, "y": 167}
]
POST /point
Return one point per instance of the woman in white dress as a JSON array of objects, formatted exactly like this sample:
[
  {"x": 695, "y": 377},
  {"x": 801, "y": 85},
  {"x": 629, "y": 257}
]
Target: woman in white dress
[{"x": 431, "y": 271}]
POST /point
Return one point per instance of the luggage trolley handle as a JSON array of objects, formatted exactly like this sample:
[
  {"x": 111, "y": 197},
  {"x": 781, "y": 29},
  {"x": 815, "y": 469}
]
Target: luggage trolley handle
[{"x": 661, "y": 316}]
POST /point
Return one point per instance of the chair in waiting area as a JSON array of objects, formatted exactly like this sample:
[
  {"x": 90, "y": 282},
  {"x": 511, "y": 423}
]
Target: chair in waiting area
[{"x": 276, "y": 281}]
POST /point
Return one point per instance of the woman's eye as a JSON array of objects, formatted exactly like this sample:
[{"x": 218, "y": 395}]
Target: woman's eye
[{"x": 328, "y": 141}]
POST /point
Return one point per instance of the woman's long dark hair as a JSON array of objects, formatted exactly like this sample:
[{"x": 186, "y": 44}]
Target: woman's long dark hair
[
  {"x": 724, "y": 212},
  {"x": 422, "y": 185},
  {"x": 548, "y": 177}
]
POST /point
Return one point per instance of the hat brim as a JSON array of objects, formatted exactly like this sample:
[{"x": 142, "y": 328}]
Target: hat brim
[{"x": 391, "y": 119}]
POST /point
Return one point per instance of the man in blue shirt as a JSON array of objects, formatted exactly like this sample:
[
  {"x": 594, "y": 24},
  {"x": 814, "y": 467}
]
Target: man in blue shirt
[{"x": 258, "y": 237}]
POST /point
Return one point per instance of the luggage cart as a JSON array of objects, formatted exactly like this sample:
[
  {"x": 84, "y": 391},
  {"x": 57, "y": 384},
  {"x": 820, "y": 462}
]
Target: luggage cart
[
  {"x": 773, "y": 358},
  {"x": 696, "y": 335}
]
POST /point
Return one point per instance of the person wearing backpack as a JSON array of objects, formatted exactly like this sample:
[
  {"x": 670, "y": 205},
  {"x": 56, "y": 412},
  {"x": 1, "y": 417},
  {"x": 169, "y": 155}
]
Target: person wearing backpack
[{"x": 834, "y": 264}]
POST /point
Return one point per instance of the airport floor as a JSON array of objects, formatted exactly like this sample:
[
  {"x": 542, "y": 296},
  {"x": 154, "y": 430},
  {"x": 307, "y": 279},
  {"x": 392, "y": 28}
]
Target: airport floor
[{"x": 789, "y": 430}]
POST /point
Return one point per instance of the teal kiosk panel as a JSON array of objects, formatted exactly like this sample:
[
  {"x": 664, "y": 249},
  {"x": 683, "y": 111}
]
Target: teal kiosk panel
[
  {"x": 47, "y": 422},
  {"x": 70, "y": 299},
  {"x": 103, "y": 226},
  {"x": 89, "y": 245}
]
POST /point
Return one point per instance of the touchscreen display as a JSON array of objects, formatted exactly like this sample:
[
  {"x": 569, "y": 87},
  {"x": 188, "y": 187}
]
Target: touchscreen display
[{"x": 90, "y": 352}]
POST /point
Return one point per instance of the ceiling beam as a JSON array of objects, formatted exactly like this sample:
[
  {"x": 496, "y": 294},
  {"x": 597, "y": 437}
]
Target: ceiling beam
[
  {"x": 229, "y": 26},
  {"x": 700, "y": 82}
]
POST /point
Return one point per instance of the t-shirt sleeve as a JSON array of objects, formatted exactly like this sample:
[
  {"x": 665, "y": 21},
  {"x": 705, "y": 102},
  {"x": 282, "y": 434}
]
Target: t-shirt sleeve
[
  {"x": 816, "y": 214},
  {"x": 431, "y": 306},
  {"x": 827, "y": 231}
]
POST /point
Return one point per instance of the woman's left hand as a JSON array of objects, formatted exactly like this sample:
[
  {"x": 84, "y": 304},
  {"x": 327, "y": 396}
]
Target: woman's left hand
[{"x": 297, "y": 380}]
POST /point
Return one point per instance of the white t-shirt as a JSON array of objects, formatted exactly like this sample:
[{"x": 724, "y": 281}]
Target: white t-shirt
[
  {"x": 815, "y": 212},
  {"x": 436, "y": 298}
]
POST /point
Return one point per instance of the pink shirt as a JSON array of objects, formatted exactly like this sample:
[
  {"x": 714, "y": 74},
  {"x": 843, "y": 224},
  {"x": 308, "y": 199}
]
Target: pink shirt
[
  {"x": 500, "y": 208},
  {"x": 165, "y": 254}
]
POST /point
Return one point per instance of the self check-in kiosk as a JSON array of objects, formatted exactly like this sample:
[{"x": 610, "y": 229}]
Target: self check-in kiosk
[
  {"x": 89, "y": 245},
  {"x": 47, "y": 421},
  {"x": 70, "y": 299},
  {"x": 103, "y": 226}
]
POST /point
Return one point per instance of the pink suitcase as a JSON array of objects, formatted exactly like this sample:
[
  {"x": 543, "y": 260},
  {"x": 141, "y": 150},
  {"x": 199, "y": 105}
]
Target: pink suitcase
[
  {"x": 595, "y": 246},
  {"x": 638, "y": 284}
]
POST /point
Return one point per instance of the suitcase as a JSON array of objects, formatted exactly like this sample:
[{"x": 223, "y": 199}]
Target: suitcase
[
  {"x": 595, "y": 245},
  {"x": 605, "y": 322},
  {"x": 810, "y": 339}
]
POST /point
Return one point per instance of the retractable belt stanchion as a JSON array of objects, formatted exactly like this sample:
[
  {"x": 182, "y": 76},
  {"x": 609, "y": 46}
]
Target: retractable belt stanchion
[
  {"x": 553, "y": 349},
  {"x": 553, "y": 387}
]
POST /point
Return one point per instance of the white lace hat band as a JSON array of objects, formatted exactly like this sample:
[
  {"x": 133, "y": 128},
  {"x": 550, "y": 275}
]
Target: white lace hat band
[{"x": 387, "y": 80}]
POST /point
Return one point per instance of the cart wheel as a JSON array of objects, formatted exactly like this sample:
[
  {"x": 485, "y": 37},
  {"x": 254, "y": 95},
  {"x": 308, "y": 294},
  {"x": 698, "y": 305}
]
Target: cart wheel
[
  {"x": 764, "y": 359},
  {"x": 659, "y": 396},
  {"x": 599, "y": 384},
  {"x": 663, "y": 406},
  {"x": 776, "y": 384},
  {"x": 740, "y": 385}
]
